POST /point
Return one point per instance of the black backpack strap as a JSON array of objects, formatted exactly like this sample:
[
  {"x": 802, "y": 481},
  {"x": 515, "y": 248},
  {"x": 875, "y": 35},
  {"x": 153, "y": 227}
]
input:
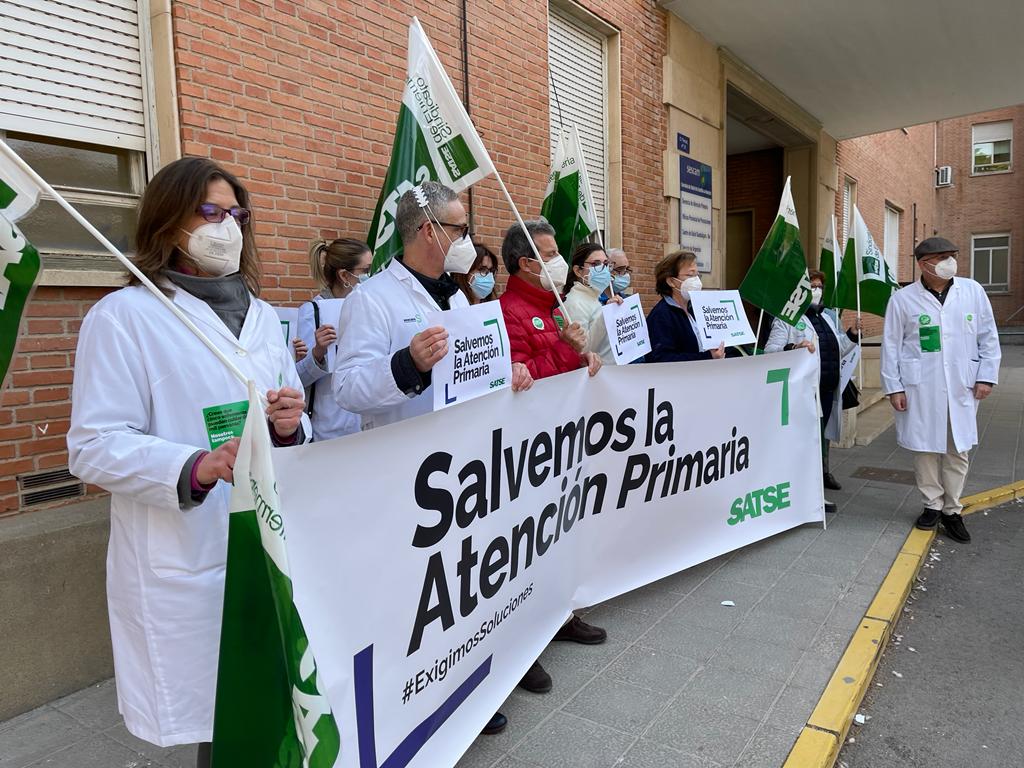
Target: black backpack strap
[{"x": 311, "y": 389}]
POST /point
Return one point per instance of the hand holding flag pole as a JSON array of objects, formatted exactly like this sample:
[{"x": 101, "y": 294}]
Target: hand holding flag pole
[{"x": 13, "y": 157}]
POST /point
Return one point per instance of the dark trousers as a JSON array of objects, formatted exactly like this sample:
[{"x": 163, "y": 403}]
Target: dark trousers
[
  {"x": 204, "y": 755},
  {"x": 827, "y": 402}
]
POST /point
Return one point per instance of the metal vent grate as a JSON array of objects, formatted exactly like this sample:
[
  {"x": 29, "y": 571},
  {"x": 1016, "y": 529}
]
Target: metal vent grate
[
  {"x": 46, "y": 477},
  {"x": 885, "y": 475},
  {"x": 48, "y": 486}
]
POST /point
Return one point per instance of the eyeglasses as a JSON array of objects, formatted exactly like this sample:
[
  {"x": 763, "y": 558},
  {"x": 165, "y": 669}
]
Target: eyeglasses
[
  {"x": 462, "y": 228},
  {"x": 593, "y": 264},
  {"x": 620, "y": 271},
  {"x": 214, "y": 214},
  {"x": 483, "y": 271}
]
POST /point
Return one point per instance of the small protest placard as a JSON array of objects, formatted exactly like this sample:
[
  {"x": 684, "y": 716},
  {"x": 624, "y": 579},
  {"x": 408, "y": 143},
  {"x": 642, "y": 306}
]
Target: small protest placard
[
  {"x": 627, "y": 329},
  {"x": 330, "y": 314},
  {"x": 289, "y": 317},
  {"x": 224, "y": 422},
  {"x": 479, "y": 359},
  {"x": 720, "y": 319}
]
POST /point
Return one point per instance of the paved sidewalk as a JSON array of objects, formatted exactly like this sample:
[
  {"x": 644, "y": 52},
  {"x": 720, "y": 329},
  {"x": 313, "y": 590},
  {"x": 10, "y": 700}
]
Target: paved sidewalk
[
  {"x": 683, "y": 681},
  {"x": 957, "y": 701}
]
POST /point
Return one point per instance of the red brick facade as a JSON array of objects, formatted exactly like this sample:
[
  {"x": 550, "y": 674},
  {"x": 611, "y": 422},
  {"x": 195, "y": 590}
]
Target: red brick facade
[
  {"x": 986, "y": 203},
  {"x": 300, "y": 100},
  {"x": 755, "y": 183}
]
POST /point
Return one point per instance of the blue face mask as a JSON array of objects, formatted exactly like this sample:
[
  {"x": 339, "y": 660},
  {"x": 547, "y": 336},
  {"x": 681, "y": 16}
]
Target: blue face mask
[
  {"x": 621, "y": 282},
  {"x": 482, "y": 285},
  {"x": 599, "y": 278},
  {"x": 363, "y": 278}
]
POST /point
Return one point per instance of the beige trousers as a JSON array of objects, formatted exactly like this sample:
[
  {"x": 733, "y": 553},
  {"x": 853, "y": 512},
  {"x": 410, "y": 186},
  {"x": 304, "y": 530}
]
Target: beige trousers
[{"x": 940, "y": 477}]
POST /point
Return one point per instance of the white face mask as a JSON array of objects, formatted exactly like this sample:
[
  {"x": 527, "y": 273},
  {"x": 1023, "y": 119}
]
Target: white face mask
[
  {"x": 946, "y": 268},
  {"x": 216, "y": 248},
  {"x": 460, "y": 257},
  {"x": 816, "y": 295},
  {"x": 688, "y": 285},
  {"x": 558, "y": 268}
]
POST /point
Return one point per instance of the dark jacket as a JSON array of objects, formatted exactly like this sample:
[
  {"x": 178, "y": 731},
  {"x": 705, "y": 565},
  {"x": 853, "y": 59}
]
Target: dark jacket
[{"x": 672, "y": 336}]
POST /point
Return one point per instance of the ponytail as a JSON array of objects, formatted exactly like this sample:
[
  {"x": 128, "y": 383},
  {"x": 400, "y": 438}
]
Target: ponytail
[
  {"x": 317, "y": 251},
  {"x": 327, "y": 258}
]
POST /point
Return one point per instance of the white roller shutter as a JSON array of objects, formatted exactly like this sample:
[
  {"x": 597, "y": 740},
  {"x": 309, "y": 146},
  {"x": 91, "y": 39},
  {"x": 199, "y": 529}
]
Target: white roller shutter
[
  {"x": 72, "y": 69},
  {"x": 576, "y": 58},
  {"x": 993, "y": 131},
  {"x": 892, "y": 238}
]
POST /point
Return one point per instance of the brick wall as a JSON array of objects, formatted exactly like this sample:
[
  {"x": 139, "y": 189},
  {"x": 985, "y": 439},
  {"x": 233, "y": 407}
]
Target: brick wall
[
  {"x": 985, "y": 204},
  {"x": 300, "y": 100},
  {"x": 755, "y": 181},
  {"x": 896, "y": 168}
]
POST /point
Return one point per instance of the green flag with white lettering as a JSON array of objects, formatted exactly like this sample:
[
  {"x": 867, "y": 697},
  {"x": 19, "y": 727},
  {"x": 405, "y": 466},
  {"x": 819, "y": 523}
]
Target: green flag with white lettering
[
  {"x": 568, "y": 201},
  {"x": 434, "y": 140},
  {"x": 865, "y": 267},
  {"x": 19, "y": 260},
  {"x": 271, "y": 711},
  {"x": 777, "y": 281}
]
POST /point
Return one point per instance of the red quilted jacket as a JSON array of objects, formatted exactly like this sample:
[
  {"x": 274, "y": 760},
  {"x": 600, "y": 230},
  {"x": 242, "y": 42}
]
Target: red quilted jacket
[{"x": 533, "y": 332}]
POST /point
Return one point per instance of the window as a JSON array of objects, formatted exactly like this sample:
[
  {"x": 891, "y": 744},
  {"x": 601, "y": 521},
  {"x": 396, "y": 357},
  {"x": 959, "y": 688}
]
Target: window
[
  {"x": 992, "y": 147},
  {"x": 849, "y": 200},
  {"x": 577, "y": 58},
  {"x": 892, "y": 238},
  {"x": 990, "y": 262},
  {"x": 76, "y": 105}
]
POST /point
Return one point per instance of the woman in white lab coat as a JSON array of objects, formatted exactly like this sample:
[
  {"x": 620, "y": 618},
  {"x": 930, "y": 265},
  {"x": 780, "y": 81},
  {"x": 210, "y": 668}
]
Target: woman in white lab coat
[
  {"x": 589, "y": 277},
  {"x": 143, "y": 388},
  {"x": 339, "y": 267},
  {"x": 831, "y": 351}
]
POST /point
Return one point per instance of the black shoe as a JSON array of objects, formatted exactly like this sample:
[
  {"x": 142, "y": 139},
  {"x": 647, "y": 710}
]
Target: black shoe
[
  {"x": 928, "y": 519},
  {"x": 830, "y": 508},
  {"x": 495, "y": 725},
  {"x": 578, "y": 631},
  {"x": 954, "y": 527},
  {"x": 831, "y": 483},
  {"x": 536, "y": 680}
]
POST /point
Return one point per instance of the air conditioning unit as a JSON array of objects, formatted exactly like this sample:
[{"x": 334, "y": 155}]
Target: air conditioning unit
[{"x": 943, "y": 176}]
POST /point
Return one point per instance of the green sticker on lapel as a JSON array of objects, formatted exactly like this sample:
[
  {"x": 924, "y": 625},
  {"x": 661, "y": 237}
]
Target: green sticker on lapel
[
  {"x": 924, "y": 319},
  {"x": 538, "y": 324}
]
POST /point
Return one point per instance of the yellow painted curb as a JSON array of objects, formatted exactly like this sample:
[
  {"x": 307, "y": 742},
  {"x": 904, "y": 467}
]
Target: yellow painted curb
[
  {"x": 895, "y": 588},
  {"x": 842, "y": 696},
  {"x": 992, "y": 497},
  {"x": 819, "y": 742},
  {"x": 813, "y": 747}
]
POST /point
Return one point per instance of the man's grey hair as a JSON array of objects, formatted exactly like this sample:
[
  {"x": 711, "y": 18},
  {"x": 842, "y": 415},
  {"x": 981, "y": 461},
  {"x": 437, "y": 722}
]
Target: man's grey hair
[
  {"x": 613, "y": 252},
  {"x": 516, "y": 245},
  {"x": 410, "y": 215}
]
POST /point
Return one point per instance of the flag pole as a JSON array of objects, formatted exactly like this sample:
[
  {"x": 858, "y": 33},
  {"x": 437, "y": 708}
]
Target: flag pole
[
  {"x": 860, "y": 340},
  {"x": 533, "y": 247},
  {"x": 757, "y": 336},
  {"x": 15, "y": 158}
]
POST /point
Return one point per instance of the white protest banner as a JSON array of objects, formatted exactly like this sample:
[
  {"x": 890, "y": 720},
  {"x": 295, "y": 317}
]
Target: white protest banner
[
  {"x": 330, "y": 314},
  {"x": 289, "y": 317},
  {"x": 721, "y": 319},
  {"x": 471, "y": 535},
  {"x": 479, "y": 359},
  {"x": 627, "y": 329}
]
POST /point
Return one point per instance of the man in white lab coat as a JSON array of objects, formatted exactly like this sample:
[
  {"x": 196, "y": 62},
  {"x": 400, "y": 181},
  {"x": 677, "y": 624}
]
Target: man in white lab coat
[
  {"x": 385, "y": 350},
  {"x": 940, "y": 357}
]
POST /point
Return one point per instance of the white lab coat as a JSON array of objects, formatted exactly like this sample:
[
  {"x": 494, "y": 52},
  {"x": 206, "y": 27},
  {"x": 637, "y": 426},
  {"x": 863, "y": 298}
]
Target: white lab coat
[
  {"x": 783, "y": 333},
  {"x": 329, "y": 419},
  {"x": 141, "y": 382},
  {"x": 584, "y": 307},
  {"x": 939, "y": 385},
  {"x": 377, "y": 320}
]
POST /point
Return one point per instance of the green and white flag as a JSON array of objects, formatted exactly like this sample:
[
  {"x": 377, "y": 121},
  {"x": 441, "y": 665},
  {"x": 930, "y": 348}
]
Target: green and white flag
[
  {"x": 19, "y": 260},
  {"x": 829, "y": 265},
  {"x": 568, "y": 201},
  {"x": 864, "y": 272},
  {"x": 270, "y": 709},
  {"x": 434, "y": 140},
  {"x": 777, "y": 281}
]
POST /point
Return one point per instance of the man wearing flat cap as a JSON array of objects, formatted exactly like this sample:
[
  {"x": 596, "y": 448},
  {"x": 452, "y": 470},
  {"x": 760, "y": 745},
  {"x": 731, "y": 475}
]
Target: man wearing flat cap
[{"x": 940, "y": 357}]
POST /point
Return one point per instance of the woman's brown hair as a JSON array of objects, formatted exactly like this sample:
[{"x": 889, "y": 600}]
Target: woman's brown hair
[
  {"x": 170, "y": 200},
  {"x": 463, "y": 281},
  {"x": 327, "y": 258},
  {"x": 668, "y": 268},
  {"x": 579, "y": 259}
]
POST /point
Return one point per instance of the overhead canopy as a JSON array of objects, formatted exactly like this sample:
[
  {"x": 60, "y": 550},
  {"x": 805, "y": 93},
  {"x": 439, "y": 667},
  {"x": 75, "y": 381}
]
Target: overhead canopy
[{"x": 874, "y": 65}]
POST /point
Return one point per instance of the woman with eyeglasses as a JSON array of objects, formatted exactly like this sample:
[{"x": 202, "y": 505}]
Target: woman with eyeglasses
[
  {"x": 151, "y": 424},
  {"x": 478, "y": 283},
  {"x": 589, "y": 278},
  {"x": 339, "y": 267}
]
